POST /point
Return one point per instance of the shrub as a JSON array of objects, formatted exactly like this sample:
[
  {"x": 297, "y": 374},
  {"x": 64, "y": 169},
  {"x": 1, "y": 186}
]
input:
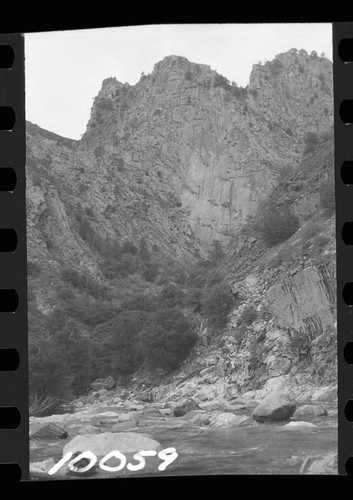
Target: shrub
[
  {"x": 327, "y": 197},
  {"x": 113, "y": 268},
  {"x": 126, "y": 356},
  {"x": 276, "y": 261},
  {"x": 310, "y": 230},
  {"x": 239, "y": 92},
  {"x": 171, "y": 296},
  {"x": 221, "y": 81},
  {"x": 276, "y": 67},
  {"x": 129, "y": 247},
  {"x": 216, "y": 304},
  {"x": 150, "y": 271},
  {"x": 217, "y": 253},
  {"x": 166, "y": 339},
  {"x": 320, "y": 242},
  {"x": 193, "y": 299},
  {"x": 311, "y": 140},
  {"x": 98, "y": 151},
  {"x": 83, "y": 283},
  {"x": 276, "y": 226},
  {"x": 247, "y": 317},
  {"x": 188, "y": 75},
  {"x": 33, "y": 269}
]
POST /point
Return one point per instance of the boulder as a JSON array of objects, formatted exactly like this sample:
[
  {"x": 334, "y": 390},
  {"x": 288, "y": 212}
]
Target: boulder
[
  {"x": 295, "y": 425},
  {"x": 89, "y": 429},
  {"x": 49, "y": 431},
  {"x": 124, "y": 426},
  {"x": 165, "y": 412},
  {"x": 310, "y": 411},
  {"x": 133, "y": 406},
  {"x": 200, "y": 419},
  {"x": 104, "y": 443},
  {"x": 191, "y": 414},
  {"x": 130, "y": 416},
  {"x": 151, "y": 412},
  {"x": 111, "y": 414},
  {"x": 207, "y": 371},
  {"x": 276, "y": 407},
  {"x": 184, "y": 406},
  {"x": 109, "y": 383},
  {"x": 97, "y": 384},
  {"x": 320, "y": 465},
  {"x": 228, "y": 419},
  {"x": 216, "y": 405}
]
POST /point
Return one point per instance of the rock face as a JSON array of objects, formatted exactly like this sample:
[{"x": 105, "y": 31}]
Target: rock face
[
  {"x": 182, "y": 157},
  {"x": 275, "y": 408},
  {"x": 101, "y": 444}
]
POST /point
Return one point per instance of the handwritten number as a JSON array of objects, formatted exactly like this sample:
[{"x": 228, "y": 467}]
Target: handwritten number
[
  {"x": 115, "y": 454},
  {"x": 61, "y": 462},
  {"x": 168, "y": 455},
  {"x": 85, "y": 454}
]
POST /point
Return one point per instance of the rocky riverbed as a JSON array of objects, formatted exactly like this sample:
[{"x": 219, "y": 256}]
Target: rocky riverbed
[{"x": 274, "y": 435}]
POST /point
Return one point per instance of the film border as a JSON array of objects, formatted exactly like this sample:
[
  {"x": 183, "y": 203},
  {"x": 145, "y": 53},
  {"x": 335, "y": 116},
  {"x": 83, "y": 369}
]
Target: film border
[
  {"x": 14, "y": 449},
  {"x": 14, "y": 442}
]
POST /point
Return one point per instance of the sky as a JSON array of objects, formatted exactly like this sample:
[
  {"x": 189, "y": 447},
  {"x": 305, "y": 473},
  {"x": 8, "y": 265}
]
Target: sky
[{"x": 65, "y": 69}]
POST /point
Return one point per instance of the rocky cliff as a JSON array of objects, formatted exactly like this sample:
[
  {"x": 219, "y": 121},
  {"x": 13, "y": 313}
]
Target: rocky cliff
[{"x": 183, "y": 158}]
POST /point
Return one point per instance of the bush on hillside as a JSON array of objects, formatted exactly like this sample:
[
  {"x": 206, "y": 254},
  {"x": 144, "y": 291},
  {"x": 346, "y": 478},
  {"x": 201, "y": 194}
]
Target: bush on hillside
[
  {"x": 247, "y": 317},
  {"x": 276, "y": 226},
  {"x": 216, "y": 304},
  {"x": 166, "y": 339},
  {"x": 171, "y": 296},
  {"x": 327, "y": 197},
  {"x": 126, "y": 356},
  {"x": 311, "y": 141}
]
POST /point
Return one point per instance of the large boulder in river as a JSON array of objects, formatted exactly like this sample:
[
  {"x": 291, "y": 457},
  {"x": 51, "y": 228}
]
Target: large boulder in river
[
  {"x": 185, "y": 405},
  {"x": 104, "y": 443},
  {"x": 274, "y": 408},
  {"x": 46, "y": 430}
]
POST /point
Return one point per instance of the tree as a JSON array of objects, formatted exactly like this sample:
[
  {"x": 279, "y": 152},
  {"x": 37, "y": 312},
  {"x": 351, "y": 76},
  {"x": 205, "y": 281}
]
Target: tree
[
  {"x": 311, "y": 140},
  {"x": 275, "y": 225},
  {"x": 216, "y": 253},
  {"x": 126, "y": 356},
  {"x": 170, "y": 296},
  {"x": 216, "y": 304},
  {"x": 143, "y": 249},
  {"x": 166, "y": 339}
]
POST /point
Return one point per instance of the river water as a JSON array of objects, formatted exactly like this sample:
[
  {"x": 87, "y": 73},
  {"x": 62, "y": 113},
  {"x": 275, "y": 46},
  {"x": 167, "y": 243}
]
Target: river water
[{"x": 260, "y": 449}]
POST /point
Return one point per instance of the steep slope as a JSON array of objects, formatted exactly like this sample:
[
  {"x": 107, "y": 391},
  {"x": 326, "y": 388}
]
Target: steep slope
[
  {"x": 281, "y": 329},
  {"x": 180, "y": 160},
  {"x": 183, "y": 156}
]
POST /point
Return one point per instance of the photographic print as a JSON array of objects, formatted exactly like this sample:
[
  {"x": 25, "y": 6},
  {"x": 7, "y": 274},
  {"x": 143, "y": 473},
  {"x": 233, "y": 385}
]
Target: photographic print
[{"x": 181, "y": 251}]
